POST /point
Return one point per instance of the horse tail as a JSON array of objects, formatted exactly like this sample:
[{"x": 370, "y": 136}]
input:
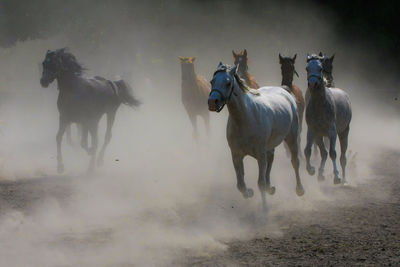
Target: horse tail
[{"x": 126, "y": 94}]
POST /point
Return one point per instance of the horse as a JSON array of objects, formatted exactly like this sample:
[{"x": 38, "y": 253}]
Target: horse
[
  {"x": 328, "y": 113},
  {"x": 83, "y": 101},
  {"x": 195, "y": 90},
  {"x": 259, "y": 120},
  {"x": 241, "y": 59},
  {"x": 288, "y": 70},
  {"x": 327, "y": 68}
]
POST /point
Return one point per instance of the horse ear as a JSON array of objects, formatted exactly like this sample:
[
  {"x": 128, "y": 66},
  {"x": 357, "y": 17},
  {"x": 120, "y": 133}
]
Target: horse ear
[
  {"x": 193, "y": 59},
  {"x": 332, "y": 57},
  {"x": 294, "y": 58},
  {"x": 320, "y": 54},
  {"x": 219, "y": 65},
  {"x": 280, "y": 59},
  {"x": 181, "y": 58},
  {"x": 245, "y": 52},
  {"x": 234, "y": 54},
  {"x": 308, "y": 57}
]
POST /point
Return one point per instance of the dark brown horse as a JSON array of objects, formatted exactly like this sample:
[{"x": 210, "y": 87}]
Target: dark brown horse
[
  {"x": 83, "y": 101},
  {"x": 242, "y": 59},
  {"x": 195, "y": 91},
  {"x": 288, "y": 70}
]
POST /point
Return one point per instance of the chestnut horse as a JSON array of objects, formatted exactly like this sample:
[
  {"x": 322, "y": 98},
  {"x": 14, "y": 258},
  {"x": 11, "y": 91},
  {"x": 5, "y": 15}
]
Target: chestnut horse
[
  {"x": 288, "y": 70},
  {"x": 195, "y": 91},
  {"x": 241, "y": 59}
]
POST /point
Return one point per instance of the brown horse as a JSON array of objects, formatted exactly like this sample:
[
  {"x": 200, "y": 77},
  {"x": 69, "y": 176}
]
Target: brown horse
[
  {"x": 288, "y": 70},
  {"x": 195, "y": 91},
  {"x": 242, "y": 59}
]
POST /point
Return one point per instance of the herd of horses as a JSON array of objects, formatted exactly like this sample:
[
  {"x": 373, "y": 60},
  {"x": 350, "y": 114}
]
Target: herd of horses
[{"x": 260, "y": 118}]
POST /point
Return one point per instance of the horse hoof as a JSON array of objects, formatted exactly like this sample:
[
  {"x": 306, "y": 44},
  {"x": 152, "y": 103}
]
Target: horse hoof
[
  {"x": 321, "y": 178},
  {"x": 311, "y": 170},
  {"x": 344, "y": 182},
  {"x": 299, "y": 191},
  {"x": 248, "y": 193},
  {"x": 336, "y": 180},
  {"x": 271, "y": 190},
  {"x": 60, "y": 168}
]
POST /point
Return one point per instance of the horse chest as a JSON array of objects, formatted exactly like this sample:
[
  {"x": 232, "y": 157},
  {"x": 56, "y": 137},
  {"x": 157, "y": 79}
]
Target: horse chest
[{"x": 320, "y": 115}]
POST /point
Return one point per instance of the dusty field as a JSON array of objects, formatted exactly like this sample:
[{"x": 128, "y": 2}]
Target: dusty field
[{"x": 361, "y": 227}]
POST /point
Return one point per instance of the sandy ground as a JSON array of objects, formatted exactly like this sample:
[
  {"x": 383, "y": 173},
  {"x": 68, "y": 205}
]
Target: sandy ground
[{"x": 361, "y": 227}]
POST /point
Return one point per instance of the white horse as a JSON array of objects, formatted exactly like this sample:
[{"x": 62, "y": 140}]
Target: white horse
[
  {"x": 328, "y": 114},
  {"x": 259, "y": 120}
]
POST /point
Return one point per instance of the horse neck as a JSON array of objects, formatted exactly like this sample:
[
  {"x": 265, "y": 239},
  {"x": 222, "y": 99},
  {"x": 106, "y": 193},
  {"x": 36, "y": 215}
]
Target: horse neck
[
  {"x": 67, "y": 81},
  {"x": 318, "y": 96},
  {"x": 188, "y": 73},
  {"x": 238, "y": 105},
  {"x": 242, "y": 72},
  {"x": 287, "y": 80}
]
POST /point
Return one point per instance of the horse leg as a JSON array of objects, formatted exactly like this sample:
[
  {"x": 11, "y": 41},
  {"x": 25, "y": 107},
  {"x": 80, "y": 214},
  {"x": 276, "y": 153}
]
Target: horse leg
[
  {"x": 61, "y": 129},
  {"x": 193, "y": 120},
  {"x": 324, "y": 155},
  {"x": 332, "y": 153},
  {"x": 262, "y": 181},
  {"x": 107, "y": 139},
  {"x": 294, "y": 150},
  {"x": 93, "y": 150},
  {"x": 84, "y": 138},
  {"x": 206, "y": 118},
  {"x": 239, "y": 169},
  {"x": 307, "y": 152},
  {"x": 69, "y": 136},
  {"x": 270, "y": 159},
  {"x": 343, "y": 139}
]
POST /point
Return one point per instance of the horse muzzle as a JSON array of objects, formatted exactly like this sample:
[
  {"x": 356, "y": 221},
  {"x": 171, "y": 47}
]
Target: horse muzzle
[
  {"x": 213, "y": 104},
  {"x": 44, "y": 83}
]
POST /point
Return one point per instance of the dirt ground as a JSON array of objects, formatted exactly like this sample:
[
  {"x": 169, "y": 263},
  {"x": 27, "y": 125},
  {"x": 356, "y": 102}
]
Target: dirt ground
[{"x": 360, "y": 228}]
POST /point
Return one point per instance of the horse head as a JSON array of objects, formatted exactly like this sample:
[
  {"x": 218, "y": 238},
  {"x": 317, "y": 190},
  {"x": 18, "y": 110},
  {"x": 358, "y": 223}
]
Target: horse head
[
  {"x": 222, "y": 87},
  {"x": 287, "y": 69},
  {"x": 240, "y": 59},
  {"x": 314, "y": 72}
]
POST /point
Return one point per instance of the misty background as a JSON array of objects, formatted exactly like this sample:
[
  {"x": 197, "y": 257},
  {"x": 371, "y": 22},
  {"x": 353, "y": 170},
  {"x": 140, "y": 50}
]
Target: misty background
[{"x": 160, "y": 194}]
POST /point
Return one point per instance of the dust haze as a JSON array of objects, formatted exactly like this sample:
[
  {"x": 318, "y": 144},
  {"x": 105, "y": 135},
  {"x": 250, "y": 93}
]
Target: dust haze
[{"x": 160, "y": 194}]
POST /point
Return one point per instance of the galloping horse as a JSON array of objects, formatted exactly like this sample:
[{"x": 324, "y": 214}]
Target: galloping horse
[
  {"x": 195, "y": 90},
  {"x": 241, "y": 59},
  {"x": 328, "y": 113},
  {"x": 83, "y": 101},
  {"x": 259, "y": 120},
  {"x": 288, "y": 70}
]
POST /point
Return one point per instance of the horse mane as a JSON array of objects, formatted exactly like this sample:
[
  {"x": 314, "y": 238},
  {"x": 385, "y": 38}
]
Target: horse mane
[
  {"x": 69, "y": 62},
  {"x": 244, "y": 87}
]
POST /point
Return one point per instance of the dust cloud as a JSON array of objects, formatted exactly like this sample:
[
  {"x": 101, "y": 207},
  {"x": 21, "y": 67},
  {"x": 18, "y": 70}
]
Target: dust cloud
[{"x": 160, "y": 194}]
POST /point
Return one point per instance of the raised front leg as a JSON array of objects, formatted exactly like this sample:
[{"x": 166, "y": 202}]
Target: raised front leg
[
  {"x": 61, "y": 129},
  {"x": 332, "y": 153},
  {"x": 239, "y": 169},
  {"x": 307, "y": 151},
  {"x": 324, "y": 156},
  {"x": 107, "y": 139}
]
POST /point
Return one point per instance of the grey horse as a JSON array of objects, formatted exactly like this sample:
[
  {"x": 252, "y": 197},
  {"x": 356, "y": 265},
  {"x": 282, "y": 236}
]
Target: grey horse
[
  {"x": 259, "y": 120},
  {"x": 328, "y": 113},
  {"x": 83, "y": 101}
]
